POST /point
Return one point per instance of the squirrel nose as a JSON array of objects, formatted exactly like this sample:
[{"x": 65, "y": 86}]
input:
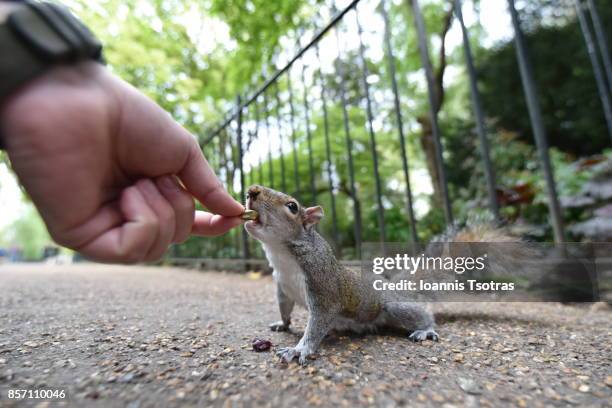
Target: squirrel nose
[{"x": 253, "y": 193}]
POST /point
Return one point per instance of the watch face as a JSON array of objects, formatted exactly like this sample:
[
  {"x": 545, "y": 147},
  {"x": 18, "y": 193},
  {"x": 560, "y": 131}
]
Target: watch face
[{"x": 38, "y": 33}]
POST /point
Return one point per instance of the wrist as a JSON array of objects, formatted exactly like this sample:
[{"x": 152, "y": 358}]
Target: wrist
[
  {"x": 24, "y": 105},
  {"x": 38, "y": 36}
]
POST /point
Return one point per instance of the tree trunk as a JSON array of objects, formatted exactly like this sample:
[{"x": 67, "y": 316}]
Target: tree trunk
[
  {"x": 427, "y": 144},
  {"x": 426, "y": 137}
]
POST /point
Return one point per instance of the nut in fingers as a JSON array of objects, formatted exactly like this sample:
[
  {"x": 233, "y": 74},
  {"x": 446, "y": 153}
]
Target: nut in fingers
[{"x": 250, "y": 215}]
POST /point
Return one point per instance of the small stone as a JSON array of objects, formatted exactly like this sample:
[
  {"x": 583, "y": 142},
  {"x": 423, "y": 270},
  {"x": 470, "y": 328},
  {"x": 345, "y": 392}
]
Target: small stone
[
  {"x": 550, "y": 393},
  {"x": 31, "y": 344},
  {"x": 608, "y": 381},
  {"x": 437, "y": 398},
  {"x": 458, "y": 358},
  {"x": 187, "y": 354},
  {"x": 434, "y": 360},
  {"x": 126, "y": 378},
  {"x": 468, "y": 385},
  {"x": 584, "y": 388},
  {"x": 93, "y": 394}
]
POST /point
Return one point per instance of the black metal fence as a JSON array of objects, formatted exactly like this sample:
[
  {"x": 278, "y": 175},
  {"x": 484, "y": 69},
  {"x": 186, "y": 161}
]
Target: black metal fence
[{"x": 267, "y": 136}]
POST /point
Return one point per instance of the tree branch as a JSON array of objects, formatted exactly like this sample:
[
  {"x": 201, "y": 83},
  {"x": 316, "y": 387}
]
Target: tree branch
[{"x": 439, "y": 74}]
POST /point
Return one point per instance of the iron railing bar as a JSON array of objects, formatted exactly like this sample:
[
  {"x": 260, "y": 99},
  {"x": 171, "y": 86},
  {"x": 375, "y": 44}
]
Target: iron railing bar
[
  {"x": 604, "y": 94},
  {"x": 313, "y": 188},
  {"x": 349, "y": 149},
  {"x": 257, "y": 119},
  {"x": 226, "y": 237},
  {"x": 245, "y": 240},
  {"x": 400, "y": 123},
  {"x": 328, "y": 154},
  {"x": 478, "y": 114},
  {"x": 216, "y": 146},
  {"x": 251, "y": 133},
  {"x": 296, "y": 166},
  {"x": 433, "y": 102},
  {"x": 370, "y": 118},
  {"x": 267, "y": 123},
  {"x": 281, "y": 71},
  {"x": 280, "y": 138},
  {"x": 537, "y": 124},
  {"x": 602, "y": 42},
  {"x": 235, "y": 160}
]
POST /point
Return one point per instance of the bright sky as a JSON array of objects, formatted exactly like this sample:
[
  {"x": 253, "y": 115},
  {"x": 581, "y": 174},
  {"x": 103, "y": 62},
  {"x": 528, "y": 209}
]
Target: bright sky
[
  {"x": 11, "y": 205},
  {"x": 493, "y": 16}
]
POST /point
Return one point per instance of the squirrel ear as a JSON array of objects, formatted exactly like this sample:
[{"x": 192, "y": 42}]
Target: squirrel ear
[{"x": 312, "y": 216}]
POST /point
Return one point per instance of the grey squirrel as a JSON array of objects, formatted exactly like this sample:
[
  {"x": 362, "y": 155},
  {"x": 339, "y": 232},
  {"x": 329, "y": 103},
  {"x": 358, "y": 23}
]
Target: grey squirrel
[{"x": 307, "y": 272}]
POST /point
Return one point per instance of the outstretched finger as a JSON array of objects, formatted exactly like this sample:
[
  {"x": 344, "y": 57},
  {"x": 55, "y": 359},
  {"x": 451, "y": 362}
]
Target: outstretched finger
[{"x": 210, "y": 225}]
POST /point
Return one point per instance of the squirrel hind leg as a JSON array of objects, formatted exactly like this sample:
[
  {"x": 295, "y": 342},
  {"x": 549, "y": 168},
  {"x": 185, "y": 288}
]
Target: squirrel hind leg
[
  {"x": 413, "y": 317},
  {"x": 421, "y": 335},
  {"x": 280, "y": 326},
  {"x": 285, "y": 305}
]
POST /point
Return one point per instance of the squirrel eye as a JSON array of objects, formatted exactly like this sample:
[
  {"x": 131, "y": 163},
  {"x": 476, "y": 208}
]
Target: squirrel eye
[{"x": 292, "y": 207}]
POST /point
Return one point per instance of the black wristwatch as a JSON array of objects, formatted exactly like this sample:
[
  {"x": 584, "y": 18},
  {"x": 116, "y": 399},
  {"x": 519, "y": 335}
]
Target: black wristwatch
[{"x": 37, "y": 36}]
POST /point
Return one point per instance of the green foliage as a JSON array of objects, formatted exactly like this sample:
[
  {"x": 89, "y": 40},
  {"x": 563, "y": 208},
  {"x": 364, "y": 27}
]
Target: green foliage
[
  {"x": 193, "y": 57},
  {"x": 256, "y": 26},
  {"x": 571, "y": 107},
  {"x": 28, "y": 233},
  {"x": 161, "y": 47}
]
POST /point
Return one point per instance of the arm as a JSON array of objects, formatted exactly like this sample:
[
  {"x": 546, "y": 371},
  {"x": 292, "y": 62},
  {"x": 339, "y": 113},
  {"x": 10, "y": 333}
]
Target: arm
[{"x": 111, "y": 173}]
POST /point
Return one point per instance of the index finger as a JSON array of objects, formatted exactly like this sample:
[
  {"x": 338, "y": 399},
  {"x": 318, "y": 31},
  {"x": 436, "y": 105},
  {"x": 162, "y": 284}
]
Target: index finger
[
  {"x": 202, "y": 182},
  {"x": 211, "y": 225}
]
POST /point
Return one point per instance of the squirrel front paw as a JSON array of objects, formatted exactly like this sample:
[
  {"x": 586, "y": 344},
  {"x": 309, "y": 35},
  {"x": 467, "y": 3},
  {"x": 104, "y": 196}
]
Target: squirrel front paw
[
  {"x": 279, "y": 326},
  {"x": 420, "y": 335},
  {"x": 287, "y": 354}
]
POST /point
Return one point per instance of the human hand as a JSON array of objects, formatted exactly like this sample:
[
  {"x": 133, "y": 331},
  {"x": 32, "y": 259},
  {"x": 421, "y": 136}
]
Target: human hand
[{"x": 102, "y": 163}]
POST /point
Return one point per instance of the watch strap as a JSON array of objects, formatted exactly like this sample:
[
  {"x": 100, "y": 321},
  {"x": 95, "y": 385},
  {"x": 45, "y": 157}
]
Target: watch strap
[
  {"x": 53, "y": 33},
  {"x": 39, "y": 35}
]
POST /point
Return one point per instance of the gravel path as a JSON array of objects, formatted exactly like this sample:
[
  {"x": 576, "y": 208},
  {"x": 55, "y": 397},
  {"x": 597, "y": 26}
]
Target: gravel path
[{"x": 140, "y": 337}]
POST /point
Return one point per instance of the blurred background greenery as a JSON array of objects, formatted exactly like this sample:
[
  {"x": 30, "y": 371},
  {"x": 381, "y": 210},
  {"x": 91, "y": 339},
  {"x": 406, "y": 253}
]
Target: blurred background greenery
[{"x": 194, "y": 57}]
